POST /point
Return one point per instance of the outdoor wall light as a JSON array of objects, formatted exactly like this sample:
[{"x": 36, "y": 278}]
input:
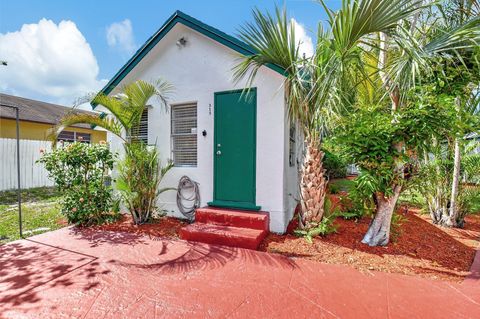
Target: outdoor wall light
[{"x": 181, "y": 42}]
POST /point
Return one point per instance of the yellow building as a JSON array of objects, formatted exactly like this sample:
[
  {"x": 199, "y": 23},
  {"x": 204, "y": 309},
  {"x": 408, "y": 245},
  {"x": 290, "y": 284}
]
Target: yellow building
[{"x": 37, "y": 117}]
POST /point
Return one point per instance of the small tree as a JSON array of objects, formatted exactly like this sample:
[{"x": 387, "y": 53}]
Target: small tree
[
  {"x": 140, "y": 170},
  {"x": 405, "y": 55},
  {"x": 80, "y": 170},
  {"x": 317, "y": 87}
]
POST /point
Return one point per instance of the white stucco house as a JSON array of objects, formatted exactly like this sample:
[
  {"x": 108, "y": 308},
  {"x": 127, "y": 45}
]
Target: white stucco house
[{"x": 242, "y": 150}]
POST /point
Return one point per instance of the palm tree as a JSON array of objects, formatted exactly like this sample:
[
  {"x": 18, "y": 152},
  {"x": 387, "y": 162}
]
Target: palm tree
[
  {"x": 125, "y": 109},
  {"x": 404, "y": 56},
  {"x": 140, "y": 172},
  {"x": 317, "y": 87}
]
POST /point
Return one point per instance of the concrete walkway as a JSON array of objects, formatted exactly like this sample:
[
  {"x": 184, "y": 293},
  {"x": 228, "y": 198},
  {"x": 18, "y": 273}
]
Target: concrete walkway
[{"x": 71, "y": 273}]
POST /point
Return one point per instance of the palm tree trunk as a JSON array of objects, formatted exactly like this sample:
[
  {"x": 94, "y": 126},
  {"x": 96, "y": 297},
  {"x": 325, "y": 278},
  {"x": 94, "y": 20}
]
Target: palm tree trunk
[
  {"x": 313, "y": 184},
  {"x": 450, "y": 219},
  {"x": 378, "y": 233}
]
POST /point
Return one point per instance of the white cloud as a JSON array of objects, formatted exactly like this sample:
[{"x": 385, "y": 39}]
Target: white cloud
[
  {"x": 49, "y": 62},
  {"x": 120, "y": 35},
  {"x": 304, "y": 40}
]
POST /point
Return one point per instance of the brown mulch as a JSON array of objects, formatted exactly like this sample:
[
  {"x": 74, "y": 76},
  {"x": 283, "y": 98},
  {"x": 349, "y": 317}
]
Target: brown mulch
[
  {"x": 161, "y": 227},
  {"x": 421, "y": 248}
]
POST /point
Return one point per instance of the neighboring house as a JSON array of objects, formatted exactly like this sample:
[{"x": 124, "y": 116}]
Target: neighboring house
[
  {"x": 241, "y": 150},
  {"x": 37, "y": 117}
]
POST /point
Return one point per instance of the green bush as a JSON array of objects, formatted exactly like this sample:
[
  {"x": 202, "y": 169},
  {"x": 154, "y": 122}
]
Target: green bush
[
  {"x": 79, "y": 170},
  {"x": 323, "y": 228},
  {"x": 334, "y": 161},
  {"x": 139, "y": 180}
]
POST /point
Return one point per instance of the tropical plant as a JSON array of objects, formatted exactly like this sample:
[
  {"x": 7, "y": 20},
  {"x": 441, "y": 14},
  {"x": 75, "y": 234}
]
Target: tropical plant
[
  {"x": 323, "y": 228},
  {"x": 80, "y": 171},
  {"x": 140, "y": 174},
  {"x": 403, "y": 56},
  {"x": 124, "y": 109},
  {"x": 140, "y": 171},
  {"x": 334, "y": 160},
  {"x": 316, "y": 87},
  {"x": 434, "y": 183}
]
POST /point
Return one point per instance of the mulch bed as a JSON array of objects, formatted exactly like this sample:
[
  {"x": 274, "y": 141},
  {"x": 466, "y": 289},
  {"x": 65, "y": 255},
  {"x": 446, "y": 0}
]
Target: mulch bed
[
  {"x": 162, "y": 227},
  {"x": 421, "y": 248}
]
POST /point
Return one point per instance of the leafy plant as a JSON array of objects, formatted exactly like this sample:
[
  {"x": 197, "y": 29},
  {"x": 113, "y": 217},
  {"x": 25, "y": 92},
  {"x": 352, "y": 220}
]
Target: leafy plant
[
  {"x": 334, "y": 160},
  {"x": 323, "y": 228},
  {"x": 334, "y": 188},
  {"x": 124, "y": 109},
  {"x": 354, "y": 214},
  {"x": 80, "y": 170},
  {"x": 140, "y": 175},
  {"x": 397, "y": 221}
]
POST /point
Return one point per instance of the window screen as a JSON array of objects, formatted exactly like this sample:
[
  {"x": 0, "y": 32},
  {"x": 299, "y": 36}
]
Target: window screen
[
  {"x": 140, "y": 132},
  {"x": 184, "y": 134},
  {"x": 68, "y": 136}
]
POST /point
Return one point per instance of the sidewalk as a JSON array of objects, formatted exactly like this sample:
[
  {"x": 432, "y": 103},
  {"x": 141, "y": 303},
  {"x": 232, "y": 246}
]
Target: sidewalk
[{"x": 92, "y": 274}]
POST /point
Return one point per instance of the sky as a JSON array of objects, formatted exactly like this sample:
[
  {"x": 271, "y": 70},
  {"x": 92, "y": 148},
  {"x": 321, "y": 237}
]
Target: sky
[{"x": 59, "y": 51}]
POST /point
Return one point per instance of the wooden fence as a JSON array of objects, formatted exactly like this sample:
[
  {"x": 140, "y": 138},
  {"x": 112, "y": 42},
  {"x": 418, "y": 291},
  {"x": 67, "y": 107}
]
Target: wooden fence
[{"x": 31, "y": 174}]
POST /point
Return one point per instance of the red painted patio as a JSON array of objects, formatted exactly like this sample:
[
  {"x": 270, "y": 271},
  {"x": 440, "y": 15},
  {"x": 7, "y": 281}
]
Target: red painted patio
[{"x": 72, "y": 273}]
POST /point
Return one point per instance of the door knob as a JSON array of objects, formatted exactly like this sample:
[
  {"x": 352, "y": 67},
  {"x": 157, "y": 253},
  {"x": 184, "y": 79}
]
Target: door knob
[
  {"x": 219, "y": 145},
  {"x": 219, "y": 153}
]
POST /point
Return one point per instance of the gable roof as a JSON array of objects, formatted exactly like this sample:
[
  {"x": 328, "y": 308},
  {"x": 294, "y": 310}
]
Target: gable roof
[
  {"x": 180, "y": 17},
  {"x": 35, "y": 111}
]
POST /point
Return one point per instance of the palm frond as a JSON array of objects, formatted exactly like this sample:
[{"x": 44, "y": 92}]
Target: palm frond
[
  {"x": 418, "y": 54},
  {"x": 107, "y": 123}
]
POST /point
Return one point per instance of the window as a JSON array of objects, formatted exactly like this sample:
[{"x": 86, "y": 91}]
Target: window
[
  {"x": 292, "y": 146},
  {"x": 140, "y": 132},
  {"x": 184, "y": 134},
  {"x": 69, "y": 136}
]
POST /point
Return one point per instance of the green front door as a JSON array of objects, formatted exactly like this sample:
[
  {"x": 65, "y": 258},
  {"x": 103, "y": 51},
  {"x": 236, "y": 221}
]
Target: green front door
[{"x": 234, "y": 149}]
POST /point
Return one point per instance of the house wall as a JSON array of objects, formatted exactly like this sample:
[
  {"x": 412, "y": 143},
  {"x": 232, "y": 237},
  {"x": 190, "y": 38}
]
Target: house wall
[
  {"x": 196, "y": 71},
  {"x": 291, "y": 185},
  {"x": 38, "y": 131}
]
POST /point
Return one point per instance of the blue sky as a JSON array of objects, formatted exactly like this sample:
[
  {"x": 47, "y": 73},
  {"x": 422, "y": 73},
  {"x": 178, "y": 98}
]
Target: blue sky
[{"x": 102, "y": 52}]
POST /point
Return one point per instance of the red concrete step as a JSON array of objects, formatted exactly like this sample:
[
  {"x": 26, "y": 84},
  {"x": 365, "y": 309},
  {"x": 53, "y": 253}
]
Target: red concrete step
[
  {"x": 223, "y": 235},
  {"x": 232, "y": 217}
]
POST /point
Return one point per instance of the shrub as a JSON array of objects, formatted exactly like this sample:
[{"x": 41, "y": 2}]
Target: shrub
[
  {"x": 323, "y": 228},
  {"x": 79, "y": 170},
  {"x": 139, "y": 180},
  {"x": 334, "y": 161},
  {"x": 360, "y": 201},
  {"x": 333, "y": 188}
]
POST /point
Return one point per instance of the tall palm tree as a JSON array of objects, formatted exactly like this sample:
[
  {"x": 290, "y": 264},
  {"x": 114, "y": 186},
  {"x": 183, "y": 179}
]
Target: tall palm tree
[
  {"x": 318, "y": 86},
  {"x": 125, "y": 109},
  {"x": 405, "y": 55}
]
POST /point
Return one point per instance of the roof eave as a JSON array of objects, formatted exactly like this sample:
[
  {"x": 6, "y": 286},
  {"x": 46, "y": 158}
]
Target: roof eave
[{"x": 180, "y": 17}]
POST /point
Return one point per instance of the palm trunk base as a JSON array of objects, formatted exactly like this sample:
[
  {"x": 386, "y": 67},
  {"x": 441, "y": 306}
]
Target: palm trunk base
[{"x": 313, "y": 185}]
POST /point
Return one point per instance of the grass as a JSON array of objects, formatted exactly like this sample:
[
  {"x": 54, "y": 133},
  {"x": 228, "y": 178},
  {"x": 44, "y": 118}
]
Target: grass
[
  {"x": 342, "y": 184},
  {"x": 40, "y": 212},
  {"x": 411, "y": 198},
  {"x": 29, "y": 195}
]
